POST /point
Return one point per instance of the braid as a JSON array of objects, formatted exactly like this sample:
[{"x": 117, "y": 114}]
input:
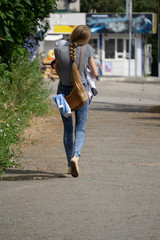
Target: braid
[
  {"x": 76, "y": 77},
  {"x": 73, "y": 51},
  {"x": 80, "y": 36}
]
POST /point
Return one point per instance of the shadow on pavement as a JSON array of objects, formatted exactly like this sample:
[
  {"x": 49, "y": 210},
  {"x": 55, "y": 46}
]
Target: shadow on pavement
[
  {"x": 102, "y": 106},
  {"x": 20, "y": 174}
]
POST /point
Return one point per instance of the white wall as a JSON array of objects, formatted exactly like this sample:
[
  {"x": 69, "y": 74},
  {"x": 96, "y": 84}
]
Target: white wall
[
  {"x": 66, "y": 19},
  {"x": 120, "y": 66},
  {"x": 69, "y": 19}
]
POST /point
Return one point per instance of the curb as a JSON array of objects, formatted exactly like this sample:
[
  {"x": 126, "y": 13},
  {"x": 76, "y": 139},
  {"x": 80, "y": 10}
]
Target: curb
[{"x": 131, "y": 79}]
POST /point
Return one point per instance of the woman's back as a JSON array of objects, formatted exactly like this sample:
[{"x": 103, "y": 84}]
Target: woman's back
[{"x": 62, "y": 55}]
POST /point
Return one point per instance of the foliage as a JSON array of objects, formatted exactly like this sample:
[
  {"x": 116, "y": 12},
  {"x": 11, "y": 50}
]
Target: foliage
[
  {"x": 19, "y": 21},
  {"x": 153, "y": 40},
  {"x": 145, "y": 6},
  {"x": 19, "y": 101},
  {"x": 118, "y": 6},
  {"x": 22, "y": 90},
  {"x": 102, "y": 6}
]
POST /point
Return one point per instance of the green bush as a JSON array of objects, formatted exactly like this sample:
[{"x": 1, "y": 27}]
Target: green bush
[
  {"x": 23, "y": 94},
  {"x": 19, "y": 21}
]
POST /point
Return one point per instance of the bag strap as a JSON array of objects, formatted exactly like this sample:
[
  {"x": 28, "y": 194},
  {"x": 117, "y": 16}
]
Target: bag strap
[{"x": 80, "y": 60}]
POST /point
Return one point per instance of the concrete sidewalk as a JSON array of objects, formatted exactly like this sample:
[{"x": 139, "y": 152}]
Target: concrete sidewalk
[
  {"x": 128, "y": 95},
  {"x": 116, "y": 196},
  {"x": 134, "y": 79}
]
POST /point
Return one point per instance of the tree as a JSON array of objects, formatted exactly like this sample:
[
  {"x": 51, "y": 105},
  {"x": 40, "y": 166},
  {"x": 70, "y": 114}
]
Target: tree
[
  {"x": 102, "y": 6},
  {"x": 117, "y": 6},
  {"x": 145, "y": 6},
  {"x": 19, "y": 20}
]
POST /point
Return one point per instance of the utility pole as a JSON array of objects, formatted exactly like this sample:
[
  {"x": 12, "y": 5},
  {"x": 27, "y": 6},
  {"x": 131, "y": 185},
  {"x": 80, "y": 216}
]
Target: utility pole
[
  {"x": 129, "y": 16},
  {"x": 159, "y": 39}
]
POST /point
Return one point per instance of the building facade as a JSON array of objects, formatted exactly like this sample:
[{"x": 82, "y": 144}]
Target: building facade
[{"x": 110, "y": 39}]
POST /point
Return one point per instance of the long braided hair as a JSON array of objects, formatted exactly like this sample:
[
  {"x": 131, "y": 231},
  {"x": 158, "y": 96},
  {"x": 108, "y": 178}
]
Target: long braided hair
[{"x": 80, "y": 36}]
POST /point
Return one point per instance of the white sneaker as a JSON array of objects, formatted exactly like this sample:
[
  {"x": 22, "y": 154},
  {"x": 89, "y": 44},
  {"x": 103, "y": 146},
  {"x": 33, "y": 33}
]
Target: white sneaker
[{"x": 74, "y": 167}]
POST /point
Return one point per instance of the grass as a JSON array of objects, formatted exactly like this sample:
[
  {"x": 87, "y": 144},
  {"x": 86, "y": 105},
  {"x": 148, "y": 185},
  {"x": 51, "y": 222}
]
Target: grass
[{"x": 23, "y": 94}]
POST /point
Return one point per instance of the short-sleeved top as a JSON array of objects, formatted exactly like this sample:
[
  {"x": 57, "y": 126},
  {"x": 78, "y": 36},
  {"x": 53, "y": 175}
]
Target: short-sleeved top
[{"x": 62, "y": 55}]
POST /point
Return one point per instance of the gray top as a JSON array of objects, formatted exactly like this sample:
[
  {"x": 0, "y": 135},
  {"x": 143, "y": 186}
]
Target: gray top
[{"x": 62, "y": 55}]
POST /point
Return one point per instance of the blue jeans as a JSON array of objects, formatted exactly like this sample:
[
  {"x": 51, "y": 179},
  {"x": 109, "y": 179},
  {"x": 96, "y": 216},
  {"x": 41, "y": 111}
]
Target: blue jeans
[{"x": 73, "y": 148}]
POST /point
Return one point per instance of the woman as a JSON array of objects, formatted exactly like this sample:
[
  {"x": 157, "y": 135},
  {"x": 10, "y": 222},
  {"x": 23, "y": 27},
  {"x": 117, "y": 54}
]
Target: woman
[{"x": 67, "y": 63}]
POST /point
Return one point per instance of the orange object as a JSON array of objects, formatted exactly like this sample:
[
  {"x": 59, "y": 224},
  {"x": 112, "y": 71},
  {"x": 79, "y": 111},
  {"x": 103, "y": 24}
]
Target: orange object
[{"x": 51, "y": 58}]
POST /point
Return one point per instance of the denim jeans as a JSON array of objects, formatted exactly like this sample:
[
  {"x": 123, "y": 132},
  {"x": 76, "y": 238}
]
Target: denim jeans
[{"x": 73, "y": 148}]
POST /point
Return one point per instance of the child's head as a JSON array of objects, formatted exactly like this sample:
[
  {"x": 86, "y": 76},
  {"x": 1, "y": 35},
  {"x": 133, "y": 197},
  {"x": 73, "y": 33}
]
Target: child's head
[{"x": 61, "y": 43}]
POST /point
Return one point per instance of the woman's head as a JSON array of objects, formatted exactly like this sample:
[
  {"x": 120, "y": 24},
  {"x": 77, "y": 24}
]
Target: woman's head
[{"x": 81, "y": 35}]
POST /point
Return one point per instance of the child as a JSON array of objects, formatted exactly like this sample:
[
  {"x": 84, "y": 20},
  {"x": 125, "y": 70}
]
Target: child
[{"x": 98, "y": 65}]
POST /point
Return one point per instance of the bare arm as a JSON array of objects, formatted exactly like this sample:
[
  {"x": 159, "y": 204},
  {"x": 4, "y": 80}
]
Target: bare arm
[
  {"x": 100, "y": 67},
  {"x": 93, "y": 68}
]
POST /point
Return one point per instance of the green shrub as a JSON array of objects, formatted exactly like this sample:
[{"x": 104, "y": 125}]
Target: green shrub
[
  {"x": 19, "y": 21},
  {"x": 23, "y": 94}
]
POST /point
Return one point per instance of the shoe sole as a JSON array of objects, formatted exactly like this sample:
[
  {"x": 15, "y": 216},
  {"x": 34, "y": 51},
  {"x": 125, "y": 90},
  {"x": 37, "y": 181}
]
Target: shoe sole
[{"x": 74, "y": 169}]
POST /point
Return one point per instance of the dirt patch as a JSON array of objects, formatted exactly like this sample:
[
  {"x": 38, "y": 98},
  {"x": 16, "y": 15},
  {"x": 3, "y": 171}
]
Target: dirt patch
[
  {"x": 43, "y": 145},
  {"x": 41, "y": 126}
]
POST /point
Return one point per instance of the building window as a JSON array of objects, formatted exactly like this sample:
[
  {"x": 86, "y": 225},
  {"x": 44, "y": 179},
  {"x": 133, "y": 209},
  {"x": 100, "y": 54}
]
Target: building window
[
  {"x": 132, "y": 49},
  {"x": 94, "y": 44},
  {"x": 117, "y": 48},
  {"x": 110, "y": 48},
  {"x": 120, "y": 47}
]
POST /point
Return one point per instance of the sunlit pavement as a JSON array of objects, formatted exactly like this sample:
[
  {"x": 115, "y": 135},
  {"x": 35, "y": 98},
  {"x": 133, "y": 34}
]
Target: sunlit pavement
[{"x": 117, "y": 194}]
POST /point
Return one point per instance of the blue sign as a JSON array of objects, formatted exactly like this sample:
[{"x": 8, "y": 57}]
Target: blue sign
[{"x": 118, "y": 23}]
